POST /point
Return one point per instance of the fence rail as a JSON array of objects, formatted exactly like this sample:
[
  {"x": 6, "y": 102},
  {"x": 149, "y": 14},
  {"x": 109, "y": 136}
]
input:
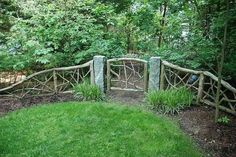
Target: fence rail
[
  {"x": 51, "y": 81},
  {"x": 203, "y": 83}
]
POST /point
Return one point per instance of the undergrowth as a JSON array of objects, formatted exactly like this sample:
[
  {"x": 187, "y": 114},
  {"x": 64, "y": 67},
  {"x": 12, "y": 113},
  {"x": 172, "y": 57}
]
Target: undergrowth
[
  {"x": 170, "y": 101},
  {"x": 87, "y": 91}
]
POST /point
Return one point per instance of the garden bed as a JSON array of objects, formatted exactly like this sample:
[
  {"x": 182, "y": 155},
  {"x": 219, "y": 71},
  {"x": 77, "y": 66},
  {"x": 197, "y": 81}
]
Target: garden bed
[{"x": 218, "y": 139}]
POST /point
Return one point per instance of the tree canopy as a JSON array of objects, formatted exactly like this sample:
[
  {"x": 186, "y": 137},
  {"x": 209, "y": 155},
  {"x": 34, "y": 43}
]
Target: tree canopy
[{"x": 39, "y": 34}]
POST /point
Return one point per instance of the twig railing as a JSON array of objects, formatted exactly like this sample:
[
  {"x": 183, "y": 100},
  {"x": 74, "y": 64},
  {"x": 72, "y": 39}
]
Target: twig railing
[
  {"x": 127, "y": 74},
  {"x": 51, "y": 81},
  {"x": 202, "y": 83}
]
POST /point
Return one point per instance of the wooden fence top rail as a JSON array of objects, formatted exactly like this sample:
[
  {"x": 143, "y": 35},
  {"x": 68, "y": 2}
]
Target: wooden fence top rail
[
  {"x": 46, "y": 71},
  {"x": 224, "y": 83},
  {"x": 127, "y": 59},
  {"x": 206, "y": 73},
  {"x": 180, "y": 68}
]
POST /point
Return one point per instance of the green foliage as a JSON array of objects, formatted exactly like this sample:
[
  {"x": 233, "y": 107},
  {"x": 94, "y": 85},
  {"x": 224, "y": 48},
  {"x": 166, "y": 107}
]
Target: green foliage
[
  {"x": 92, "y": 129},
  {"x": 86, "y": 91},
  {"x": 170, "y": 101},
  {"x": 16, "y": 63},
  {"x": 223, "y": 120},
  {"x": 63, "y": 33}
]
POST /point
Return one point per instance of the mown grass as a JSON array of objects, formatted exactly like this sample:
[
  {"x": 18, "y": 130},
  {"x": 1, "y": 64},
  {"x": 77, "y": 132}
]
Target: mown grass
[{"x": 92, "y": 129}]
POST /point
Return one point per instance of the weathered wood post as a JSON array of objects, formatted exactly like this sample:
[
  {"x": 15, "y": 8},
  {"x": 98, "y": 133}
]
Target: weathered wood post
[
  {"x": 154, "y": 73},
  {"x": 200, "y": 88},
  {"x": 162, "y": 77},
  {"x": 98, "y": 65},
  {"x": 55, "y": 81},
  {"x": 145, "y": 77},
  {"x": 92, "y": 73},
  {"x": 108, "y": 76}
]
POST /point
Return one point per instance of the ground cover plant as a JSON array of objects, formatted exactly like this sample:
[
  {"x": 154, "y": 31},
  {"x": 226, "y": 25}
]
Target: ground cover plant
[
  {"x": 170, "y": 101},
  {"x": 88, "y": 91},
  {"x": 91, "y": 129}
]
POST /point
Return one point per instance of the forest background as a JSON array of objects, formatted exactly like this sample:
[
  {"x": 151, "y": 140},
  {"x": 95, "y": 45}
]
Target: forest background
[{"x": 41, "y": 34}]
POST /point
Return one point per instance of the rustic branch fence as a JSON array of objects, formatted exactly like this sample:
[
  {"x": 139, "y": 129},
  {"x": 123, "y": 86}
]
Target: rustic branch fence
[
  {"x": 202, "y": 83},
  {"x": 125, "y": 74},
  {"x": 51, "y": 81}
]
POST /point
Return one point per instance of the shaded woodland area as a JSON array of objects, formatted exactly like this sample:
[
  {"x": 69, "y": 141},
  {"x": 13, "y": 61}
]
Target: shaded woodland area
[{"x": 41, "y": 34}]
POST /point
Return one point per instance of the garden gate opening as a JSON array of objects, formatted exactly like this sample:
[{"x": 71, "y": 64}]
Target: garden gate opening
[{"x": 127, "y": 74}]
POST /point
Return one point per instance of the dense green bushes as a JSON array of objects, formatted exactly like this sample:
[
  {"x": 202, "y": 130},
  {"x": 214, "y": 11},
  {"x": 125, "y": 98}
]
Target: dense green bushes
[
  {"x": 55, "y": 33},
  {"x": 61, "y": 35},
  {"x": 170, "y": 101}
]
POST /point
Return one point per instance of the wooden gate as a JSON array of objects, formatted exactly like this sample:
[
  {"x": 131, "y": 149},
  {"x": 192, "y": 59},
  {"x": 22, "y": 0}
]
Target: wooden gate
[{"x": 127, "y": 74}]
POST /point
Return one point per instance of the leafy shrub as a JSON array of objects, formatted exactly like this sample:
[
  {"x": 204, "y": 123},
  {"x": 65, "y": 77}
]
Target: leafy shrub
[
  {"x": 170, "y": 101},
  {"x": 53, "y": 34},
  {"x": 224, "y": 120},
  {"x": 87, "y": 91}
]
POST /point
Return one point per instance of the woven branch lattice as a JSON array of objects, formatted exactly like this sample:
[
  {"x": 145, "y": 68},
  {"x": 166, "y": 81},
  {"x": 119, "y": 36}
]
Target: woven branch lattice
[
  {"x": 227, "y": 96},
  {"x": 57, "y": 80},
  {"x": 205, "y": 86},
  {"x": 127, "y": 74},
  {"x": 175, "y": 79}
]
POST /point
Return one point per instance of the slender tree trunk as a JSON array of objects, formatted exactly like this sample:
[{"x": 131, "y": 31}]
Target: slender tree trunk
[
  {"x": 220, "y": 64},
  {"x": 128, "y": 41},
  {"x": 162, "y": 24}
]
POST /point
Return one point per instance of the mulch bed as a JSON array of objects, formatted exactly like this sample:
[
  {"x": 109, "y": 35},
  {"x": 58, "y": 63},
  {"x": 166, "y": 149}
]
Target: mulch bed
[
  {"x": 8, "y": 105},
  {"x": 217, "y": 140}
]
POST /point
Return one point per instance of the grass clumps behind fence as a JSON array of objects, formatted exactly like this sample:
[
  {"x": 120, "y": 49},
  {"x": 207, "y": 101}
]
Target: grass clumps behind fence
[
  {"x": 170, "y": 101},
  {"x": 87, "y": 91}
]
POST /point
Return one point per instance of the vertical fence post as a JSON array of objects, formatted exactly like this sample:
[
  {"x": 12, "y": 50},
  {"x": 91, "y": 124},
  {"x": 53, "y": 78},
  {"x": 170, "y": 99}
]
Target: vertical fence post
[
  {"x": 145, "y": 77},
  {"x": 55, "y": 81},
  {"x": 162, "y": 81},
  {"x": 200, "y": 88},
  {"x": 92, "y": 79},
  {"x": 154, "y": 73},
  {"x": 108, "y": 76},
  {"x": 98, "y": 65}
]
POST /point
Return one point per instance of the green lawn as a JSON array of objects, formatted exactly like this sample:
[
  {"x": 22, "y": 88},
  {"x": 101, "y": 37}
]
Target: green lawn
[{"x": 92, "y": 129}]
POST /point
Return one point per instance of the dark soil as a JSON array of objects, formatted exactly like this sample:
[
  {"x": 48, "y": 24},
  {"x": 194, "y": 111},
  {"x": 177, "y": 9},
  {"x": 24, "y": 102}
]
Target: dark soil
[
  {"x": 7, "y": 105},
  {"x": 126, "y": 97},
  {"x": 217, "y": 140}
]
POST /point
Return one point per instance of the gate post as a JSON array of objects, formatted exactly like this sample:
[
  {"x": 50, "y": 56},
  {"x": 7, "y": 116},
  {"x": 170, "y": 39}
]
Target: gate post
[
  {"x": 154, "y": 73},
  {"x": 98, "y": 65}
]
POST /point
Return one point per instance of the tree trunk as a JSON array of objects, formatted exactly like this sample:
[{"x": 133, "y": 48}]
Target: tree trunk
[
  {"x": 162, "y": 24},
  {"x": 221, "y": 63}
]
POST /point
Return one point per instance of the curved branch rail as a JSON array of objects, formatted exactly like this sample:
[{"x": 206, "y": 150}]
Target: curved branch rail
[
  {"x": 52, "y": 81},
  {"x": 204, "y": 86}
]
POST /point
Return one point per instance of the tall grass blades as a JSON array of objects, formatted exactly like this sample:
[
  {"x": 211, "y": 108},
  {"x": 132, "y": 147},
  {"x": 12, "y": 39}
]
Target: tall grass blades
[
  {"x": 170, "y": 101},
  {"x": 87, "y": 91}
]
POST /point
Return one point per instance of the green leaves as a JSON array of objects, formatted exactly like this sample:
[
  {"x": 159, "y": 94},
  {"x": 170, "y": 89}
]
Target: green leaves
[{"x": 56, "y": 28}]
